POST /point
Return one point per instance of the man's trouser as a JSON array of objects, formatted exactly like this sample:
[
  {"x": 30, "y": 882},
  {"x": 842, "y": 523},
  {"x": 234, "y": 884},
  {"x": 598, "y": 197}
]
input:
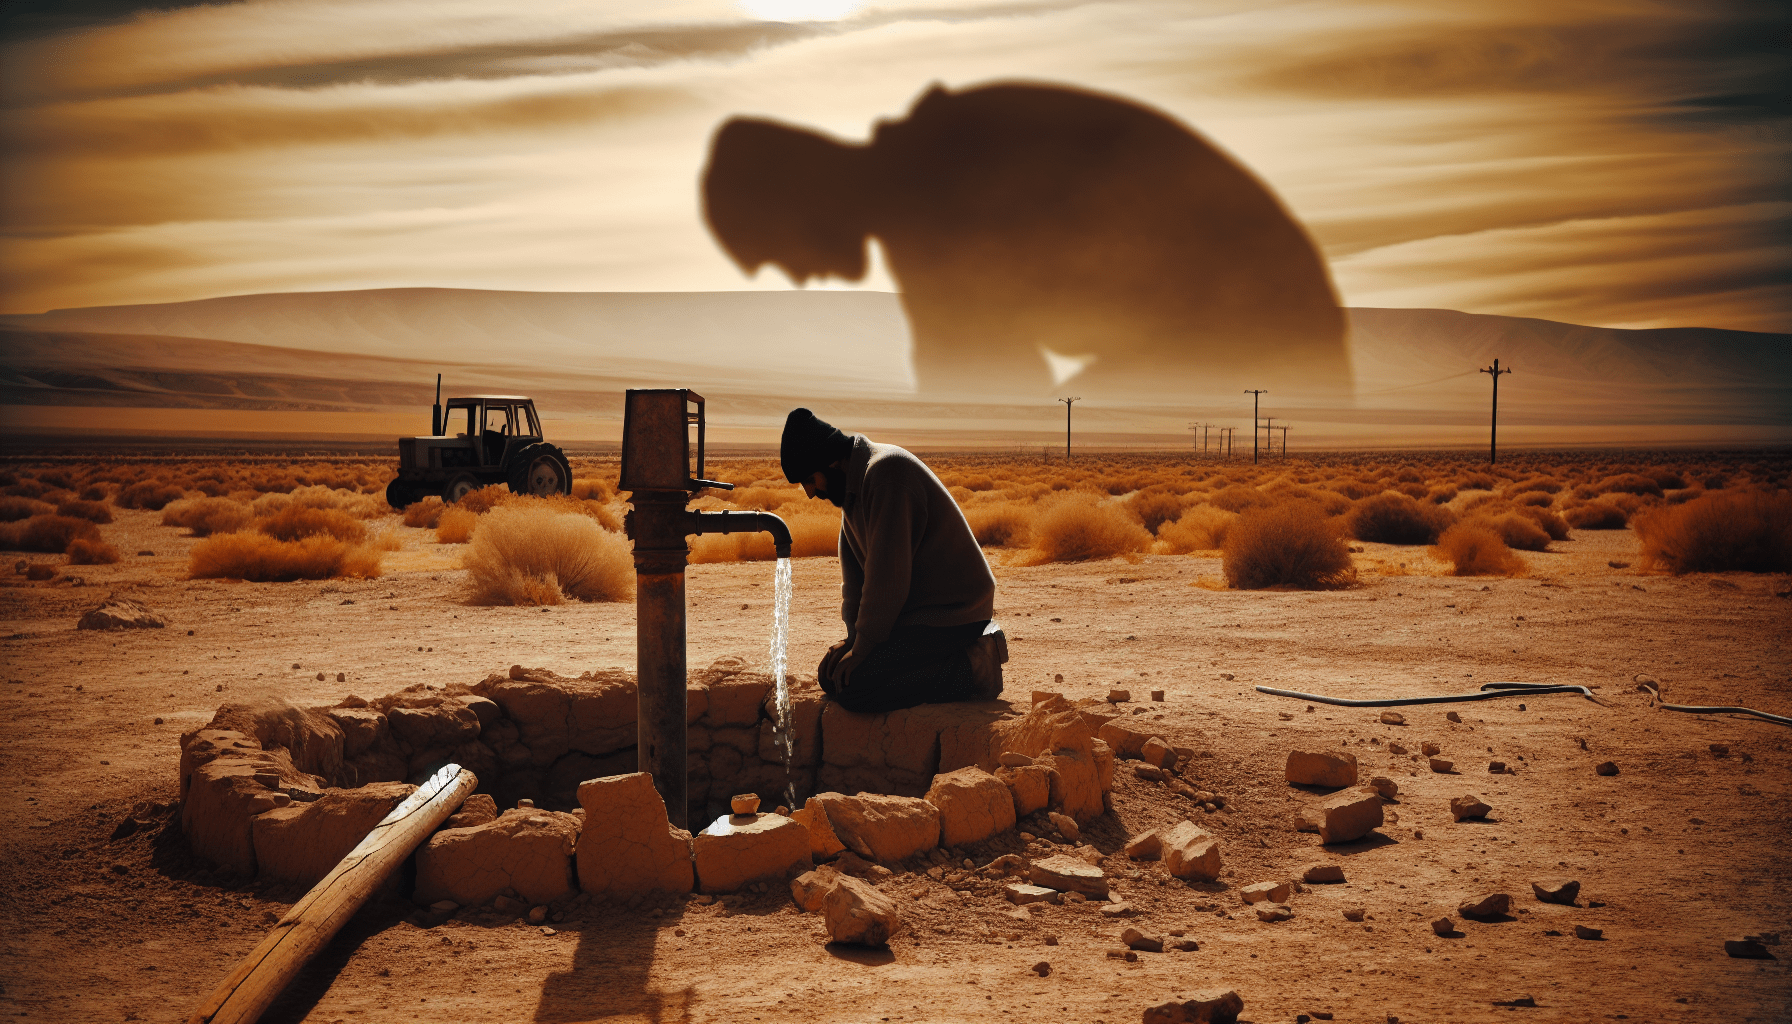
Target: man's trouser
[{"x": 916, "y": 665}]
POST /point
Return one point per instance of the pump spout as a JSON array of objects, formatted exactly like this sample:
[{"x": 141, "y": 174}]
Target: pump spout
[{"x": 744, "y": 522}]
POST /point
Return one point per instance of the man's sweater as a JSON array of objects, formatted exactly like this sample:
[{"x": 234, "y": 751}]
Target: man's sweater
[{"x": 906, "y": 552}]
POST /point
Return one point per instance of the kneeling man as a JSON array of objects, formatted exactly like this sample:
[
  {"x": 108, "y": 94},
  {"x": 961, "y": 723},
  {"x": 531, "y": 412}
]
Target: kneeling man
[{"x": 917, "y": 592}]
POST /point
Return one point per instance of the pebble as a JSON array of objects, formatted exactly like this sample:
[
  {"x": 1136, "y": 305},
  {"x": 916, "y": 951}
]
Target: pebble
[
  {"x": 1746, "y": 949},
  {"x": 1581, "y": 931},
  {"x": 1274, "y": 892},
  {"x": 1138, "y": 940},
  {"x": 1185, "y": 946},
  {"x": 1462, "y": 807},
  {"x": 1010, "y": 759},
  {"x": 1121, "y": 909},
  {"x": 1720, "y": 749},
  {"x": 1021, "y": 894},
  {"x": 1122, "y": 954},
  {"x": 1119, "y": 696},
  {"x": 1354, "y": 913},
  {"x": 1051, "y": 940},
  {"x": 1157, "y": 695},
  {"x": 1042, "y": 968},
  {"x": 537, "y": 915},
  {"x": 1496, "y": 767},
  {"x": 1066, "y": 825},
  {"x": 1430, "y": 749},
  {"x": 1556, "y": 890},
  {"x": 443, "y": 907},
  {"x": 1492, "y": 904},
  {"x": 1322, "y": 873},
  {"x": 1606, "y": 768},
  {"x": 1385, "y": 786},
  {"x": 1442, "y": 767},
  {"x": 545, "y": 930},
  {"x": 1396, "y": 748},
  {"x": 1453, "y": 716},
  {"x": 1443, "y": 926},
  {"x": 1149, "y": 772},
  {"x": 1274, "y": 912},
  {"x": 1392, "y": 718}
]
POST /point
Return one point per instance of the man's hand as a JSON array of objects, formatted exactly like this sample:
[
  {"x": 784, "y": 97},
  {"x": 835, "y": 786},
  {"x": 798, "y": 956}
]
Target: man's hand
[
  {"x": 853, "y": 658},
  {"x": 832, "y": 658}
]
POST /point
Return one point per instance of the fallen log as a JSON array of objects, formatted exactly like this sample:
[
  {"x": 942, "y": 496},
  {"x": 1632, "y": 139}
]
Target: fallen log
[{"x": 252, "y": 987}]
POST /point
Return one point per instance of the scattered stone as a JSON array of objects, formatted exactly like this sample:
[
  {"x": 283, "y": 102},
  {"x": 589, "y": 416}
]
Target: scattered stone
[
  {"x": 1121, "y": 909},
  {"x": 1119, "y": 696},
  {"x": 1123, "y": 954},
  {"x": 508, "y": 904},
  {"x": 1042, "y": 968},
  {"x": 1496, "y": 767},
  {"x": 537, "y": 915},
  {"x": 1355, "y": 913},
  {"x": 1443, "y": 767},
  {"x": 1468, "y": 807},
  {"x": 1487, "y": 905},
  {"x": 882, "y": 828},
  {"x": 1088, "y": 853},
  {"x": 1030, "y": 786},
  {"x": 1065, "y": 825},
  {"x": 545, "y": 930},
  {"x": 810, "y": 889},
  {"x": 1274, "y": 912},
  {"x": 1556, "y": 890},
  {"x": 1606, "y": 768},
  {"x": 1453, "y": 716},
  {"x": 1138, "y": 940},
  {"x": 1520, "y": 1001},
  {"x": 1214, "y": 1006},
  {"x": 1184, "y": 945},
  {"x": 1747, "y": 949},
  {"x": 1050, "y": 940},
  {"x": 1274, "y": 892},
  {"x": 974, "y": 805},
  {"x": 628, "y": 845},
  {"x": 120, "y": 613},
  {"x": 1720, "y": 750},
  {"x": 525, "y": 852},
  {"x": 1430, "y": 749},
  {"x": 1150, "y": 773},
  {"x": 1444, "y": 927},
  {"x": 1343, "y": 817},
  {"x": 1069, "y": 874},
  {"x": 1010, "y": 759},
  {"x": 823, "y": 843},
  {"x": 850, "y": 863},
  {"x": 1157, "y": 695},
  {"x": 474, "y": 810},
  {"x": 1581, "y": 931},
  {"x": 303, "y": 842},
  {"x": 1322, "y": 873},
  {"x": 1020, "y": 894},
  {"x": 858, "y": 914},
  {"x": 443, "y": 908},
  {"x": 1145, "y": 846},
  {"x": 744, "y": 803},
  {"x": 1392, "y": 718},
  {"x": 1384, "y": 786},
  {"x": 1192, "y": 853},
  {"x": 1333, "y": 770},
  {"x": 744, "y": 848},
  {"x": 1396, "y": 747}
]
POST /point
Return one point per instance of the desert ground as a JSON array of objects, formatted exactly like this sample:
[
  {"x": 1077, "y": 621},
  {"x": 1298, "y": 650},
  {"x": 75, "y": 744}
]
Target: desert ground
[{"x": 1682, "y": 849}]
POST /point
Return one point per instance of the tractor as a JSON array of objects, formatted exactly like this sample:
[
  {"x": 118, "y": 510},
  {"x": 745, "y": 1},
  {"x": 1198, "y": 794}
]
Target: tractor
[{"x": 479, "y": 440}]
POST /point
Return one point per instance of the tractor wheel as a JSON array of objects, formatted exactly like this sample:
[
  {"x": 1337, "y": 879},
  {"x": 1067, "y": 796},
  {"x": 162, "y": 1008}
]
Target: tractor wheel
[
  {"x": 542, "y": 470},
  {"x": 458, "y": 486},
  {"x": 400, "y": 494}
]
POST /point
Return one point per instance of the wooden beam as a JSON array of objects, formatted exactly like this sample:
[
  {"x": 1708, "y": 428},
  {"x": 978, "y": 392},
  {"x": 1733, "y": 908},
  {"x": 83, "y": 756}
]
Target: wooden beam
[{"x": 314, "y": 920}]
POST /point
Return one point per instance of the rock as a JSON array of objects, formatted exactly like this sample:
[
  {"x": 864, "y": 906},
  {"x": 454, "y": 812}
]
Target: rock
[
  {"x": 1741, "y": 949},
  {"x": 1606, "y": 768},
  {"x": 1355, "y": 913},
  {"x": 1069, "y": 874},
  {"x": 1392, "y": 718},
  {"x": 225, "y": 794},
  {"x": 1384, "y": 786},
  {"x": 823, "y": 843},
  {"x": 1453, "y": 716},
  {"x": 529, "y": 852},
  {"x": 1343, "y": 817},
  {"x": 1190, "y": 852},
  {"x": 1185, "y": 945},
  {"x": 509, "y": 905},
  {"x": 1020, "y": 894},
  {"x": 1274, "y": 892},
  {"x": 303, "y": 842},
  {"x": 628, "y": 845},
  {"x": 120, "y": 613},
  {"x": 1150, "y": 773},
  {"x": 1581, "y": 931},
  {"x": 1010, "y": 759},
  {"x": 1556, "y": 890},
  {"x": 1157, "y": 695},
  {"x": 1088, "y": 854},
  {"x": 1487, "y": 905},
  {"x": 1273, "y": 912},
  {"x": 973, "y": 805},
  {"x": 1120, "y": 909},
  {"x": 1029, "y": 786},
  {"x": 1395, "y": 747},
  {"x": 474, "y": 810},
  {"x": 1042, "y": 968},
  {"x": 537, "y": 915},
  {"x": 1145, "y": 846},
  {"x": 1719, "y": 749},
  {"x": 1157, "y": 752},
  {"x": 1333, "y": 770},
  {"x": 1122, "y": 953},
  {"x": 1138, "y": 940},
  {"x": 1066, "y": 826},
  {"x": 810, "y": 889},
  {"x": 1442, "y": 767},
  {"x": 858, "y": 914},
  {"x": 362, "y": 729},
  {"x": 1322, "y": 873},
  {"x": 743, "y": 848},
  {"x": 882, "y": 828},
  {"x": 1430, "y": 749},
  {"x": 744, "y": 803},
  {"x": 1119, "y": 696},
  {"x": 1126, "y": 738},
  {"x": 1443, "y": 926},
  {"x": 1468, "y": 806},
  {"x": 1213, "y": 1006}
]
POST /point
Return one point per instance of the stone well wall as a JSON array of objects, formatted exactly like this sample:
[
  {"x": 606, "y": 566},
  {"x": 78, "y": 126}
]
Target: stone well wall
[{"x": 285, "y": 792}]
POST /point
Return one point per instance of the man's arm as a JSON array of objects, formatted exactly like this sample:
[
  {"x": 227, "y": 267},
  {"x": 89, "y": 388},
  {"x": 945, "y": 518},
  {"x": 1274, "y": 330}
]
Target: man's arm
[
  {"x": 895, "y": 517},
  {"x": 852, "y": 584}
]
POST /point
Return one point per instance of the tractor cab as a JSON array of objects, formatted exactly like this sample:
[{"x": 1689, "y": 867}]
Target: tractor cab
[{"x": 480, "y": 440}]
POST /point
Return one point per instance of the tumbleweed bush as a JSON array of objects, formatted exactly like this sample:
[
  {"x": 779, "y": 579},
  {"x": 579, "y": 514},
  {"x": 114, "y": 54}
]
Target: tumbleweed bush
[
  {"x": 1288, "y": 545},
  {"x": 533, "y": 555}
]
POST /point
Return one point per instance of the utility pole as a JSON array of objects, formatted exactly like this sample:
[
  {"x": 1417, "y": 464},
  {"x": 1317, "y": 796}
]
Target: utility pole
[
  {"x": 1269, "y": 436},
  {"x": 1284, "y": 442},
  {"x": 1494, "y": 433},
  {"x": 1195, "y": 430},
  {"x": 1255, "y": 394},
  {"x": 1204, "y": 428},
  {"x": 1067, "y": 403}
]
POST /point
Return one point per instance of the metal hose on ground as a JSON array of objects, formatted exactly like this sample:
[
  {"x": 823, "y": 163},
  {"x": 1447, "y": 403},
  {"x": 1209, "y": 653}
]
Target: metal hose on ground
[
  {"x": 1694, "y": 709},
  {"x": 1491, "y": 690}
]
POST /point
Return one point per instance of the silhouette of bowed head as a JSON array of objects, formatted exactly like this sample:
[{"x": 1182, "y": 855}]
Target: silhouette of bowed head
[{"x": 1020, "y": 219}]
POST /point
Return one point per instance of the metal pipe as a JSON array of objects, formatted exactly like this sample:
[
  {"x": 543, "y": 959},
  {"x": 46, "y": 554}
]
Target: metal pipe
[
  {"x": 1489, "y": 691},
  {"x": 728, "y": 521}
]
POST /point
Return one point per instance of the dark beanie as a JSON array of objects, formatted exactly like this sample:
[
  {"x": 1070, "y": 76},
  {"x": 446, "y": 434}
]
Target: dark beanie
[{"x": 810, "y": 444}]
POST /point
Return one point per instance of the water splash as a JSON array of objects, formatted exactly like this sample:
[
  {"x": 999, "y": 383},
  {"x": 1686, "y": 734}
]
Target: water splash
[{"x": 784, "y": 735}]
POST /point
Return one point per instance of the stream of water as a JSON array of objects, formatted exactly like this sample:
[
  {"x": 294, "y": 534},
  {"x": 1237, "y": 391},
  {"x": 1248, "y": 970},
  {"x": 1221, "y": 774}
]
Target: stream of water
[{"x": 785, "y": 734}]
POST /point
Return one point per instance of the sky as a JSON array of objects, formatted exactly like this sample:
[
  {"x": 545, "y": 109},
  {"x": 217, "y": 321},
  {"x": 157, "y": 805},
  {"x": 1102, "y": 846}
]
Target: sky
[{"x": 1611, "y": 162}]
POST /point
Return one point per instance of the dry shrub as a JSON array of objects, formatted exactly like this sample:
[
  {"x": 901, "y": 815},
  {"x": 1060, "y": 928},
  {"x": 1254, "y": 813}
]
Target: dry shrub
[
  {"x": 1287, "y": 545},
  {"x": 424, "y": 514},
  {"x": 1476, "y": 482},
  {"x": 1517, "y": 531},
  {"x": 206, "y": 516},
  {"x": 1724, "y": 532},
  {"x": 1155, "y": 508},
  {"x": 90, "y": 551},
  {"x": 148, "y": 494},
  {"x": 535, "y": 555},
  {"x": 1628, "y": 483},
  {"x": 1475, "y": 549},
  {"x": 51, "y": 533},
  {"x": 1545, "y": 484},
  {"x": 605, "y": 516},
  {"x": 92, "y": 511},
  {"x": 1079, "y": 526},
  {"x": 1442, "y": 494},
  {"x": 1354, "y": 489},
  {"x": 1666, "y": 478},
  {"x": 1005, "y": 524},
  {"x": 1237, "y": 498},
  {"x": 1202, "y": 528},
  {"x": 766, "y": 499},
  {"x": 298, "y": 521},
  {"x": 1394, "y": 518},
  {"x": 264, "y": 559},
  {"x": 1551, "y": 523},
  {"x": 592, "y": 489},
  {"x": 1541, "y": 499},
  {"x": 1596, "y": 515},
  {"x": 483, "y": 500},
  {"x": 14, "y": 508},
  {"x": 456, "y": 525}
]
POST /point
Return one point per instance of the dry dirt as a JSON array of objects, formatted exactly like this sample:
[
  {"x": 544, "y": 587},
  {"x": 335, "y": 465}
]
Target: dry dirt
[{"x": 1678, "y": 852}]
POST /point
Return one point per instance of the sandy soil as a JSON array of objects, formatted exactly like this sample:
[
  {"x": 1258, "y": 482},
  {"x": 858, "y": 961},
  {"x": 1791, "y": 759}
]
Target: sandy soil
[{"x": 1680, "y": 851}]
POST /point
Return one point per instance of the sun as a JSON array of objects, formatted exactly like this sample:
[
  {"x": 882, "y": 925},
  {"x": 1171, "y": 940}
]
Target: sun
[{"x": 800, "y": 10}]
